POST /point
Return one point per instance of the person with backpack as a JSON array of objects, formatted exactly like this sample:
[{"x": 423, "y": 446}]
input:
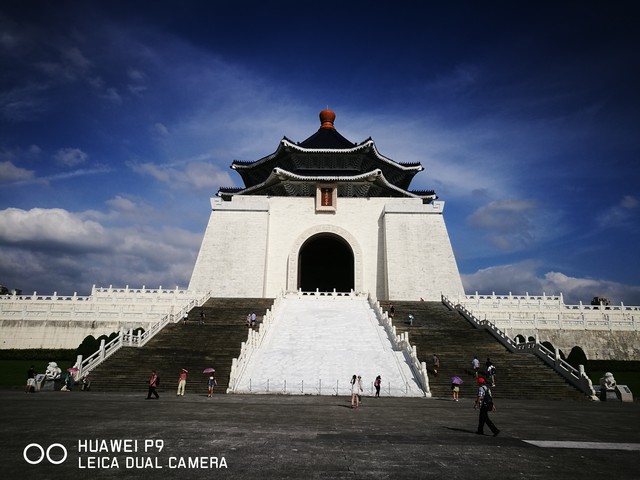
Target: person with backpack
[
  {"x": 484, "y": 401},
  {"x": 491, "y": 372}
]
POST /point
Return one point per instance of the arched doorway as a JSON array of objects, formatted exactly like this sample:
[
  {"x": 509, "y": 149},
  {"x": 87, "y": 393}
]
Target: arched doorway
[{"x": 326, "y": 263}]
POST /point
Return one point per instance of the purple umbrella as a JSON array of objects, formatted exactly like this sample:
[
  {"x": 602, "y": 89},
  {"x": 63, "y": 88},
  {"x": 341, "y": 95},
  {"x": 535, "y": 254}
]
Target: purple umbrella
[
  {"x": 209, "y": 370},
  {"x": 456, "y": 380}
]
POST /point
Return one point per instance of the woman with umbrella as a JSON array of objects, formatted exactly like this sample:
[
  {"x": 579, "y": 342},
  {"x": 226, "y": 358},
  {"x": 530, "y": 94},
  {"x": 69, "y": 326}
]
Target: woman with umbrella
[
  {"x": 69, "y": 380},
  {"x": 455, "y": 387},
  {"x": 212, "y": 381}
]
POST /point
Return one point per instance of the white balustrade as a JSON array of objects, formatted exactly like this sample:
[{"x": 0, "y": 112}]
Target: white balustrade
[
  {"x": 577, "y": 377},
  {"x": 549, "y": 312}
]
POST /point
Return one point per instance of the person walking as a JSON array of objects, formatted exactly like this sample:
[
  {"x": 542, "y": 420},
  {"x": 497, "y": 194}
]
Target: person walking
[
  {"x": 475, "y": 363},
  {"x": 484, "y": 401},
  {"x": 355, "y": 392},
  {"x": 436, "y": 364},
  {"x": 182, "y": 382},
  {"x": 491, "y": 372},
  {"x": 31, "y": 379},
  {"x": 377, "y": 383},
  {"x": 455, "y": 388},
  {"x": 211, "y": 384},
  {"x": 154, "y": 382}
]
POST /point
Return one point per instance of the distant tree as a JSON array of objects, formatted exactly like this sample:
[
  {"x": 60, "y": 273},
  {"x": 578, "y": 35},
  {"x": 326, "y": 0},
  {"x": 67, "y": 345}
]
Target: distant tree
[
  {"x": 88, "y": 346},
  {"x": 576, "y": 357},
  {"x": 599, "y": 300}
]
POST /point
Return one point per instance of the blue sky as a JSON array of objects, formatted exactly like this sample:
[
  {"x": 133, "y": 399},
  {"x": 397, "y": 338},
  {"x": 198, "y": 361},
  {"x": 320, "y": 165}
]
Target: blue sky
[{"x": 119, "y": 119}]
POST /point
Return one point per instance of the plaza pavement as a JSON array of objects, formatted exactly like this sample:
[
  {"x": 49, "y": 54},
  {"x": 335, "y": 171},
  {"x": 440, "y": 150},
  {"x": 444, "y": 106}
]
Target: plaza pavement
[{"x": 309, "y": 437}]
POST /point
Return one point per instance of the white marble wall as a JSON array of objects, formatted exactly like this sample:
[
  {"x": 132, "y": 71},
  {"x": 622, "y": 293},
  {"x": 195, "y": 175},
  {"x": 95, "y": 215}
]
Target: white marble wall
[{"x": 401, "y": 247}]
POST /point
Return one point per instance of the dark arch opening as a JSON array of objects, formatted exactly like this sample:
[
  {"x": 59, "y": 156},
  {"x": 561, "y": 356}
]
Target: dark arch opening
[{"x": 326, "y": 263}]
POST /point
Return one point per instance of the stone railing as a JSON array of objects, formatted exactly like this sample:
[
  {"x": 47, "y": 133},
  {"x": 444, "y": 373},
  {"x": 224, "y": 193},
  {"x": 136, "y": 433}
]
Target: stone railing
[
  {"x": 137, "y": 305},
  {"x": 253, "y": 342},
  {"x": 551, "y": 313},
  {"x": 282, "y": 387},
  {"x": 401, "y": 343},
  {"x": 576, "y": 377},
  {"x": 128, "y": 339}
]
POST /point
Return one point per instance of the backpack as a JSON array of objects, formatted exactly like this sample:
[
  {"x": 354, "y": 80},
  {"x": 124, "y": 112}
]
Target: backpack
[
  {"x": 487, "y": 400},
  {"x": 157, "y": 381}
]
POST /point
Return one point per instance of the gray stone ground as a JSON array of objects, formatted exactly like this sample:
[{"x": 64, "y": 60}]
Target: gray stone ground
[{"x": 274, "y": 437}]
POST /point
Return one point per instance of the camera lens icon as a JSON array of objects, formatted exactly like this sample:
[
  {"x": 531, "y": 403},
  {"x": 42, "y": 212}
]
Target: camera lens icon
[{"x": 44, "y": 454}]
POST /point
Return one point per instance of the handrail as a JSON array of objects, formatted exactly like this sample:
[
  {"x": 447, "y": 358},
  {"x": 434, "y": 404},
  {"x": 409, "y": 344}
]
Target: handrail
[
  {"x": 128, "y": 339},
  {"x": 254, "y": 340},
  {"x": 297, "y": 387},
  {"x": 577, "y": 378},
  {"x": 401, "y": 343}
]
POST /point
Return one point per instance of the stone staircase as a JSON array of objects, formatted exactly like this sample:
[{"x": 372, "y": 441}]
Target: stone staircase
[
  {"x": 438, "y": 330},
  {"x": 191, "y": 346}
]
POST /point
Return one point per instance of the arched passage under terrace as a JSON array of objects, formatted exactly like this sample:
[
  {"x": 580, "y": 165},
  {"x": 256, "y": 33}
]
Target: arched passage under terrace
[
  {"x": 326, "y": 263},
  {"x": 325, "y": 258}
]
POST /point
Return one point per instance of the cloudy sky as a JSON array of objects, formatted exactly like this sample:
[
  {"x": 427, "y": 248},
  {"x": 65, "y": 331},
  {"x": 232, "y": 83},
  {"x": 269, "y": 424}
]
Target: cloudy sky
[{"x": 119, "y": 119}]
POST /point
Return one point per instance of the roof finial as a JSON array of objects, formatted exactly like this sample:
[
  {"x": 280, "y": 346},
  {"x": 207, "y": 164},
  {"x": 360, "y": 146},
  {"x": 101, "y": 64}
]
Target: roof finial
[{"x": 327, "y": 117}]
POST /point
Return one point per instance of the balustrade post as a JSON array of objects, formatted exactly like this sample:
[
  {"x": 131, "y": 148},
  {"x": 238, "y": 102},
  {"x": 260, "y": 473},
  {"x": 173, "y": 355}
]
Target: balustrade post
[
  {"x": 102, "y": 349},
  {"x": 79, "y": 364}
]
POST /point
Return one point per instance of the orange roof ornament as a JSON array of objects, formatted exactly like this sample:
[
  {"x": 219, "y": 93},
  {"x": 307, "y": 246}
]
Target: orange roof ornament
[{"x": 327, "y": 117}]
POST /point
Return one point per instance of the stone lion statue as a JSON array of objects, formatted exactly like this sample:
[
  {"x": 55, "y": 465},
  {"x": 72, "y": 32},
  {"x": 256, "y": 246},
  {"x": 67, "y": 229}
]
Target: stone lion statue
[
  {"x": 608, "y": 382},
  {"x": 53, "y": 371}
]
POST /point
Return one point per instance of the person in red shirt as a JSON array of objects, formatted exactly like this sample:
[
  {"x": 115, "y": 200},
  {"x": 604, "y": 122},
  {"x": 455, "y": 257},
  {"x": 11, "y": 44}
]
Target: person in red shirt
[
  {"x": 182, "y": 381},
  {"x": 153, "y": 385}
]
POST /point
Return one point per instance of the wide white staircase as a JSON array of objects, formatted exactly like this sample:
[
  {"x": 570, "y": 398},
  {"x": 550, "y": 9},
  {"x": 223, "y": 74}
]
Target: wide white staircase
[{"x": 314, "y": 346}]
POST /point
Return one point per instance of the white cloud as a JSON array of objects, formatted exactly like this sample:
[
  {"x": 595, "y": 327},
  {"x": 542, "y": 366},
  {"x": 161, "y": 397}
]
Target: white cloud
[
  {"x": 159, "y": 130},
  {"x": 56, "y": 250},
  {"x": 624, "y": 214},
  {"x": 200, "y": 175},
  {"x": 49, "y": 229},
  {"x": 70, "y": 157},
  {"x": 521, "y": 278},
  {"x": 23, "y": 103},
  {"x": 509, "y": 223},
  {"x": 9, "y": 173},
  {"x": 122, "y": 204}
]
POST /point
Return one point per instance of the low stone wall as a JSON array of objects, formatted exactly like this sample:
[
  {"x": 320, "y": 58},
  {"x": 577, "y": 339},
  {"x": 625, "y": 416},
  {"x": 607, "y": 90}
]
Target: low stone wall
[
  {"x": 603, "y": 332},
  {"x": 57, "y": 334},
  {"x": 596, "y": 344},
  {"x": 57, "y": 321}
]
